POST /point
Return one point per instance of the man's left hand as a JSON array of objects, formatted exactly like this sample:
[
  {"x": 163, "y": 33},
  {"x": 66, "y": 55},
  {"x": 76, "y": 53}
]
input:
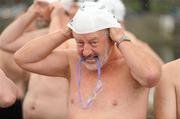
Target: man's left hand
[{"x": 116, "y": 33}]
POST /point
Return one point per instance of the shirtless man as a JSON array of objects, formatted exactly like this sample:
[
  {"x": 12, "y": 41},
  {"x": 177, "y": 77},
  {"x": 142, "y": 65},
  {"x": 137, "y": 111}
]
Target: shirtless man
[
  {"x": 20, "y": 78},
  {"x": 8, "y": 91},
  {"x": 167, "y": 101},
  {"x": 125, "y": 72},
  {"x": 41, "y": 90}
]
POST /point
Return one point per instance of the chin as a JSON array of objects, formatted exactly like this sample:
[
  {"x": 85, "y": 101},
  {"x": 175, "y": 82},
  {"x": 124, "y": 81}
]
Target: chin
[{"x": 92, "y": 67}]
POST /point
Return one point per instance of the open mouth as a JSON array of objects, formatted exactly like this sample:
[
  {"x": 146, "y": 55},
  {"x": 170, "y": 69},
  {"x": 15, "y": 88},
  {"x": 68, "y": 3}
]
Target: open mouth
[{"x": 90, "y": 60}]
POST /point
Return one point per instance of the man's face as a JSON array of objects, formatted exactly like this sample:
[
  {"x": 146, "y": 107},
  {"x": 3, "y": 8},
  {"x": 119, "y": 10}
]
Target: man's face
[
  {"x": 93, "y": 45},
  {"x": 44, "y": 10}
]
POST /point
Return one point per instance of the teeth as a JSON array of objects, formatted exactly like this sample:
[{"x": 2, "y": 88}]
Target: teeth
[{"x": 90, "y": 60}]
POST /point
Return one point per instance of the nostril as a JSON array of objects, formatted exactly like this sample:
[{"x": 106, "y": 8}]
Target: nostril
[{"x": 87, "y": 52}]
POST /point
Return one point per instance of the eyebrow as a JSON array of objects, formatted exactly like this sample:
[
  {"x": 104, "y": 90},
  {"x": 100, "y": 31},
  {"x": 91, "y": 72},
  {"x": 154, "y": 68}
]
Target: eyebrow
[{"x": 90, "y": 39}]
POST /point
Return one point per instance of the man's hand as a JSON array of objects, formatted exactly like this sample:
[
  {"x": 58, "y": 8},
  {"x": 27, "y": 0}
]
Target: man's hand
[
  {"x": 57, "y": 10},
  {"x": 68, "y": 32},
  {"x": 32, "y": 9},
  {"x": 116, "y": 33}
]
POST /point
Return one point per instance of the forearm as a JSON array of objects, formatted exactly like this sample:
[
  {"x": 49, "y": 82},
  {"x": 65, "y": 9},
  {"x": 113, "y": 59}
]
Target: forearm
[
  {"x": 154, "y": 54},
  {"x": 23, "y": 39},
  {"x": 144, "y": 46},
  {"x": 15, "y": 30},
  {"x": 144, "y": 68},
  {"x": 39, "y": 48}
]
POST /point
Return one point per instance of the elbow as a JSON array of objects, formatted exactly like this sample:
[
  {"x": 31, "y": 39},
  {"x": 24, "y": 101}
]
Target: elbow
[
  {"x": 18, "y": 59},
  {"x": 7, "y": 99},
  {"x": 6, "y": 47},
  {"x": 152, "y": 77}
]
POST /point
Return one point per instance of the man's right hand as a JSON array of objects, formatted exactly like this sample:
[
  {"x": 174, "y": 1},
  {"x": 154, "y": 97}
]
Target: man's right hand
[
  {"x": 57, "y": 10},
  {"x": 68, "y": 32},
  {"x": 32, "y": 9}
]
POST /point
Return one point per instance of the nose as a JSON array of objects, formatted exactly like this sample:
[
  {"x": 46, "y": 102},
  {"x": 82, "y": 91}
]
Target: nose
[{"x": 87, "y": 51}]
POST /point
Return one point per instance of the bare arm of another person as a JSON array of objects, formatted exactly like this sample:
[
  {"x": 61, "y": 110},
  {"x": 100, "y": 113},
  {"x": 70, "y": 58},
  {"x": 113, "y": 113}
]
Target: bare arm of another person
[
  {"x": 8, "y": 38},
  {"x": 143, "y": 66},
  {"x": 38, "y": 55},
  {"x": 23, "y": 39},
  {"x": 8, "y": 91},
  {"x": 165, "y": 100}
]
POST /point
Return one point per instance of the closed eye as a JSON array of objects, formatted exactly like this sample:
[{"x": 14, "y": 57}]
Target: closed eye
[
  {"x": 80, "y": 44},
  {"x": 94, "y": 43}
]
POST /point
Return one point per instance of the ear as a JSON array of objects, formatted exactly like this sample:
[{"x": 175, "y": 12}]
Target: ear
[{"x": 51, "y": 7}]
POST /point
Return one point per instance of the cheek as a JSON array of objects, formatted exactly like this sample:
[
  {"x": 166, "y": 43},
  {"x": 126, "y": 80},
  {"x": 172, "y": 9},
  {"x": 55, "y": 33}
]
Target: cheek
[
  {"x": 80, "y": 50},
  {"x": 103, "y": 51},
  {"x": 46, "y": 12}
]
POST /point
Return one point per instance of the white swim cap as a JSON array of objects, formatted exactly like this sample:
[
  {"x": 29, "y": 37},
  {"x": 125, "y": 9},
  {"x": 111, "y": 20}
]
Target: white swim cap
[
  {"x": 66, "y": 3},
  {"x": 92, "y": 17},
  {"x": 80, "y": 2},
  {"x": 116, "y": 7}
]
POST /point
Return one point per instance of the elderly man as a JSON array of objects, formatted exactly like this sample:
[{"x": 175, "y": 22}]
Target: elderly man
[
  {"x": 41, "y": 89},
  {"x": 8, "y": 91},
  {"x": 167, "y": 92},
  {"x": 110, "y": 75}
]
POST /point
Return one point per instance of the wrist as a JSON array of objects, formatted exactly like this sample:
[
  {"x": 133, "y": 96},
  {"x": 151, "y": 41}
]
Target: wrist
[{"x": 122, "y": 39}]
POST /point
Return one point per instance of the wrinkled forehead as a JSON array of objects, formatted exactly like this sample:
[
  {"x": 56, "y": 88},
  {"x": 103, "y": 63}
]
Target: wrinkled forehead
[{"x": 94, "y": 35}]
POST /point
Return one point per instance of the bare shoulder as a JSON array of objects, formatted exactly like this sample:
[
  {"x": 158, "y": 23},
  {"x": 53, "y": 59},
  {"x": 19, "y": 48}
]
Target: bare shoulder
[
  {"x": 170, "y": 72},
  {"x": 172, "y": 65}
]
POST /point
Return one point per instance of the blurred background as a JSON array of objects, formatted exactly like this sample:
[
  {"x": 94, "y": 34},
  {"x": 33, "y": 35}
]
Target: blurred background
[{"x": 156, "y": 22}]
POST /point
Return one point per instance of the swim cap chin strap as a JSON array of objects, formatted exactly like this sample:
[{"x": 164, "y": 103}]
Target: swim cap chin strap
[{"x": 86, "y": 104}]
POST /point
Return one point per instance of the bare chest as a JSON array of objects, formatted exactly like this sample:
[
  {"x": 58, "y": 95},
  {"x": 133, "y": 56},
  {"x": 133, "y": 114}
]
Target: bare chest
[
  {"x": 120, "y": 93},
  {"x": 47, "y": 87}
]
